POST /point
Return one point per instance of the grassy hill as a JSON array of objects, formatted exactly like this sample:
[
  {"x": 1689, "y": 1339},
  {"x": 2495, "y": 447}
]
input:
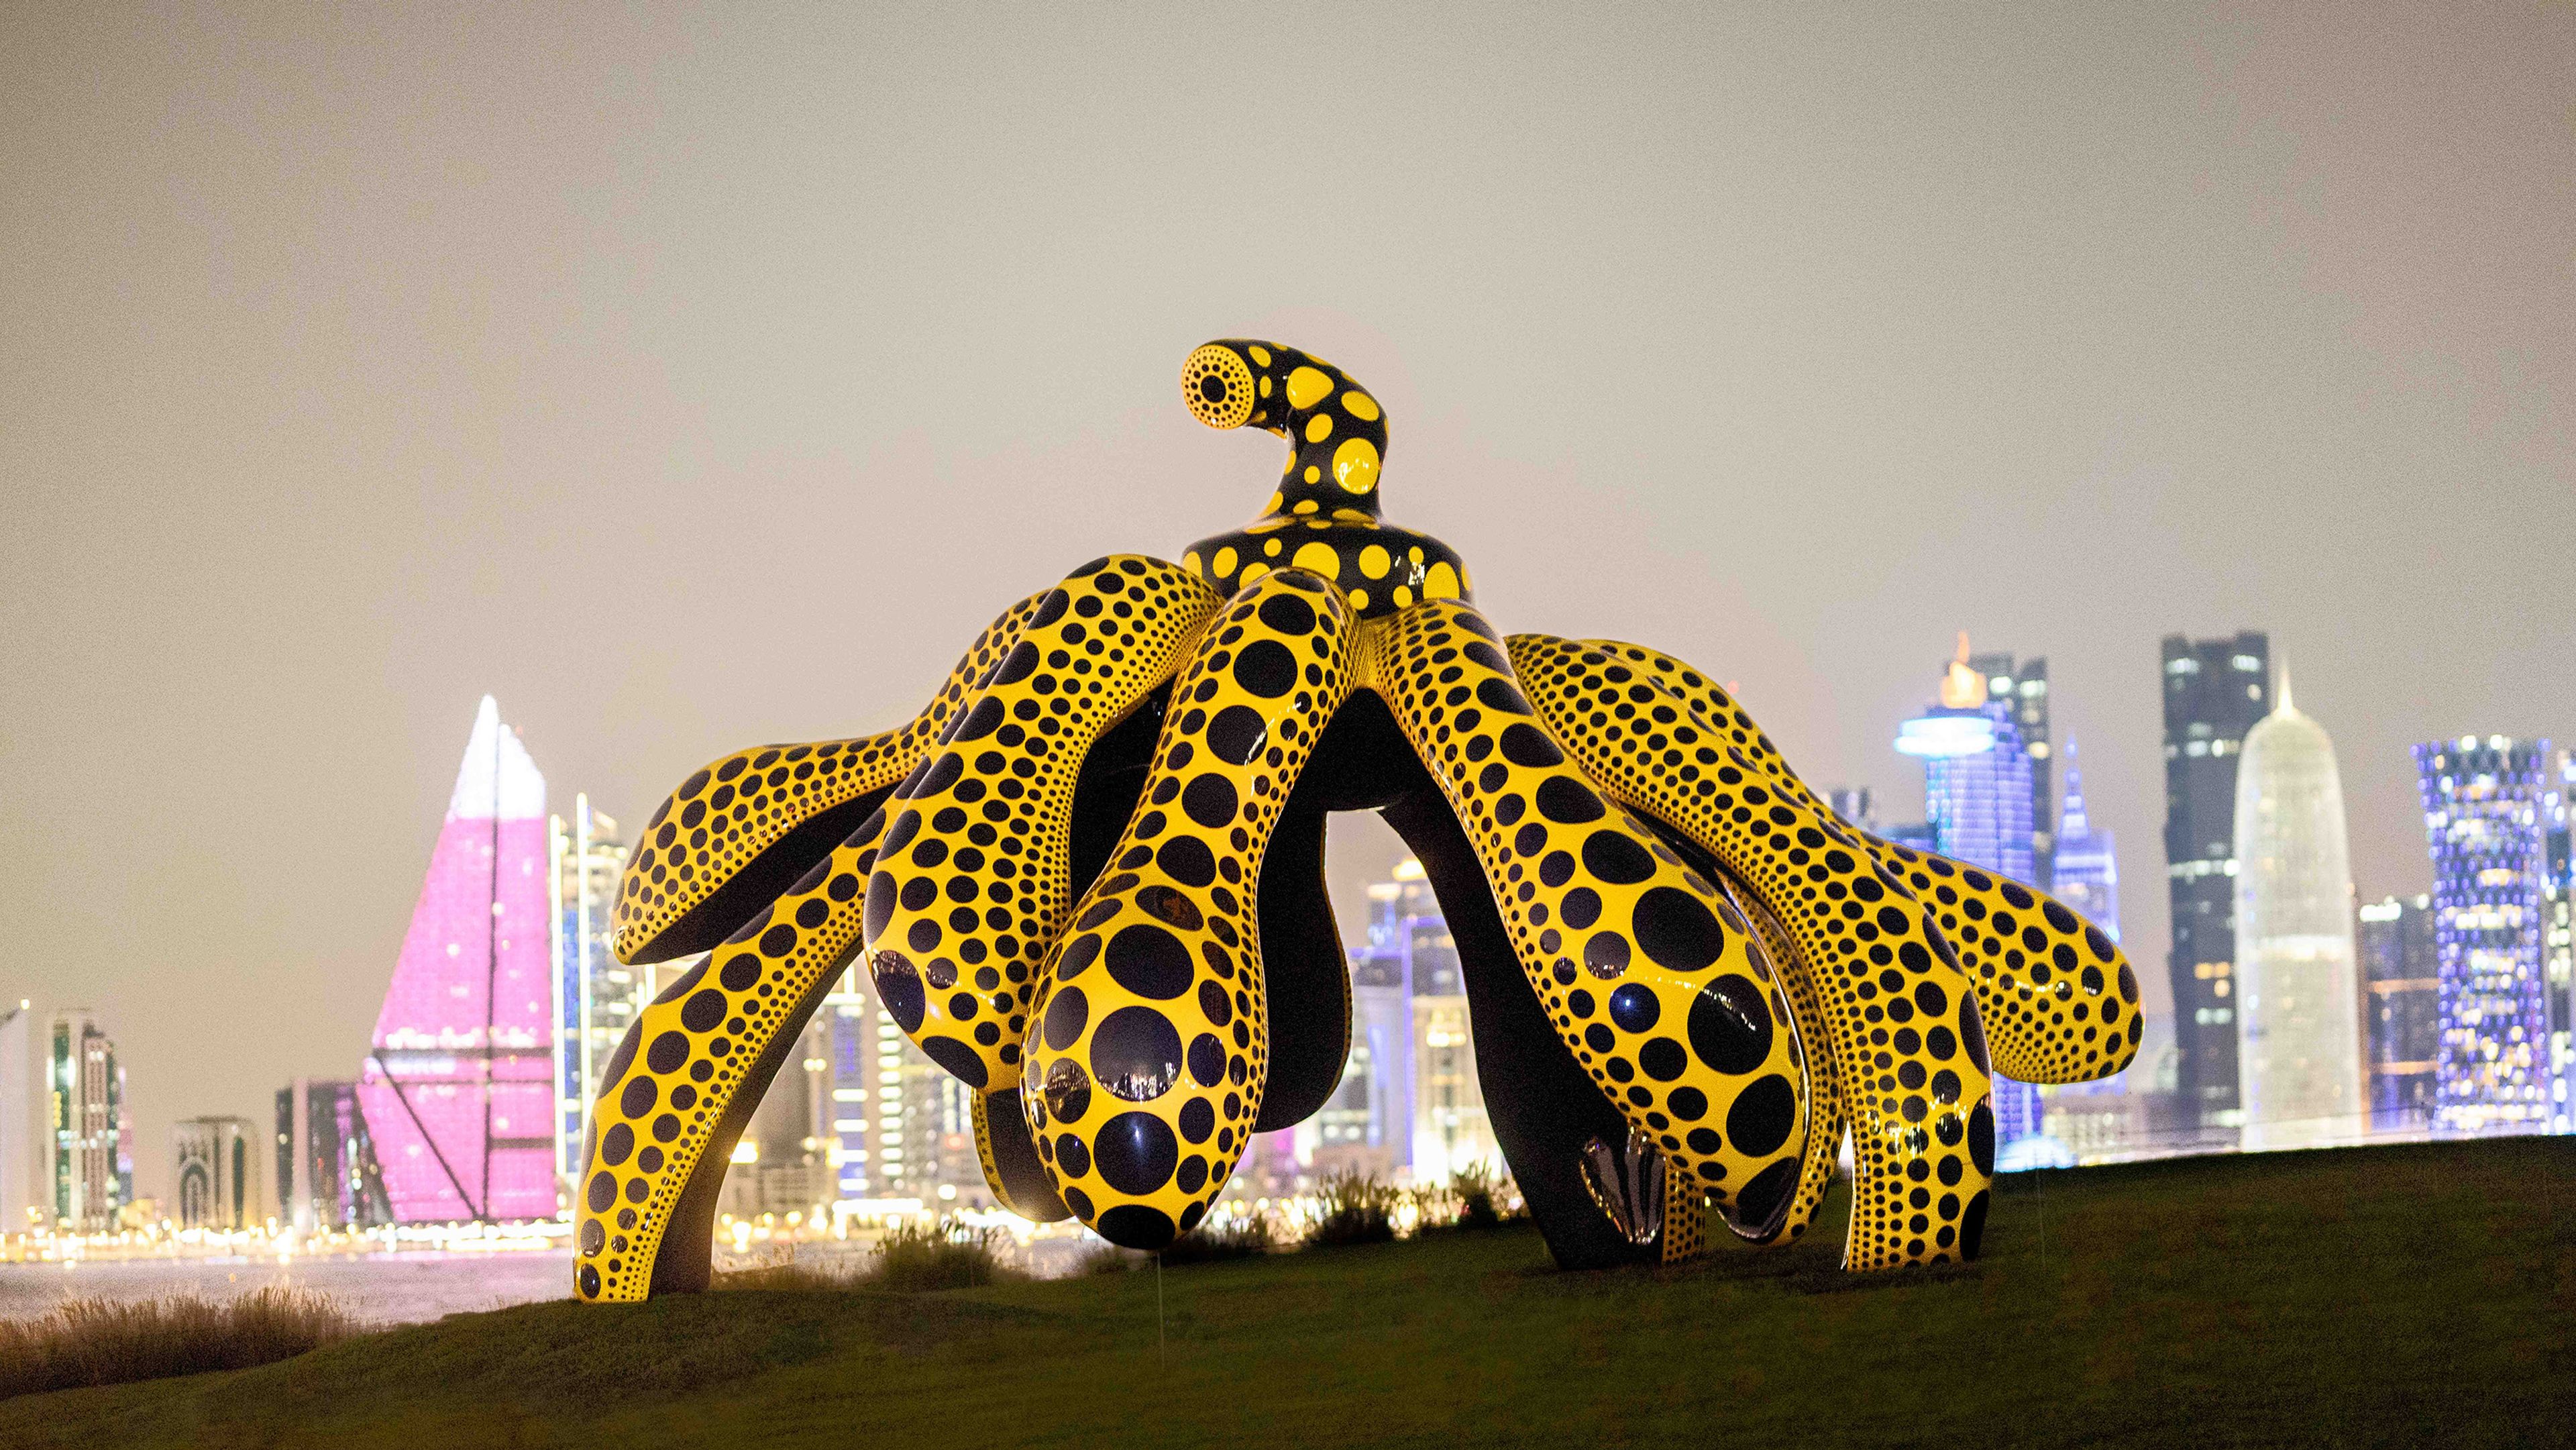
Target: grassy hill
[{"x": 2386, "y": 1296}]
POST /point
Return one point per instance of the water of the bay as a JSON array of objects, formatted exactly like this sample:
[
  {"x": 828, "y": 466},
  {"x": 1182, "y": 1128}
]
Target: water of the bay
[{"x": 383, "y": 1288}]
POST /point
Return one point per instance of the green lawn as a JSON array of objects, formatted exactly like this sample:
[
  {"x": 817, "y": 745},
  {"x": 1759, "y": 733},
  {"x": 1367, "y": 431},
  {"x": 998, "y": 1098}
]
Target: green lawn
[{"x": 2388, "y": 1296}]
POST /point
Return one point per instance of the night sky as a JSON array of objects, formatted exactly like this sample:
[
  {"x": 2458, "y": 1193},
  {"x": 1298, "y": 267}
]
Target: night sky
[{"x": 690, "y": 382}]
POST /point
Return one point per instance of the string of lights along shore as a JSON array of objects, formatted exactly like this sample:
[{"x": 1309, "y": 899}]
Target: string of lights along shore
[{"x": 2303, "y": 1014}]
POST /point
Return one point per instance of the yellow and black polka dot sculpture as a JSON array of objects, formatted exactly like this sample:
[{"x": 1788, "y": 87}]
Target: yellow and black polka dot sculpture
[{"x": 1088, "y": 881}]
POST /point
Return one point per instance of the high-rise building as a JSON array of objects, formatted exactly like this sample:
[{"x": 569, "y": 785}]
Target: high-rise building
[
  {"x": 328, "y": 1177},
  {"x": 1855, "y": 806},
  {"x": 2401, "y": 977},
  {"x": 1368, "y": 1123},
  {"x": 26, "y": 1126},
  {"x": 899, "y": 1126},
  {"x": 458, "y": 1092},
  {"x": 596, "y": 996},
  {"x": 2084, "y": 867},
  {"x": 2214, "y": 691},
  {"x": 2023, "y": 685},
  {"x": 218, "y": 1164},
  {"x": 2482, "y": 801},
  {"x": 2298, "y": 1013},
  {"x": 93, "y": 1173},
  {"x": 1976, "y": 806},
  {"x": 2558, "y": 938}
]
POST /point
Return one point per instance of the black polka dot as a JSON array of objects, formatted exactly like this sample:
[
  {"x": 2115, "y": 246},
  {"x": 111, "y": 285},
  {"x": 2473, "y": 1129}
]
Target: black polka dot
[
  {"x": 899, "y": 989},
  {"x": 743, "y": 973},
  {"x": 1676, "y": 931},
  {"x": 1567, "y": 802},
  {"x": 1073, "y": 1156},
  {"x": 1606, "y": 954},
  {"x": 1186, "y": 859},
  {"x": 1498, "y": 694},
  {"x": 1198, "y": 1120},
  {"x": 1214, "y": 1004},
  {"x": 1981, "y": 1137},
  {"x": 1135, "y": 1153},
  {"x": 1663, "y": 1059},
  {"x": 1528, "y": 746},
  {"x": 1764, "y": 1200},
  {"x": 1150, "y": 962},
  {"x": 702, "y": 1012},
  {"x": 1207, "y": 1059},
  {"x": 640, "y": 1096},
  {"x": 1265, "y": 668},
  {"x": 1133, "y": 1225},
  {"x": 962, "y": 1061},
  {"x": 1078, "y": 956},
  {"x": 617, "y": 1144},
  {"x": 669, "y": 1051},
  {"x": 1135, "y": 1054},
  {"x": 1612, "y": 856},
  {"x": 1210, "y": 800},
  {"x": 1068, "y": 1011},
  {"x": 1287, "y": 614},
  {"x": 1237, "y": 734},
  {"x": 1730, "y": 1028},
  {"x": 1634, "y": 1008},
  {"x": 1581, "y": 907},
  {"x": 1762, "y": 1116}
]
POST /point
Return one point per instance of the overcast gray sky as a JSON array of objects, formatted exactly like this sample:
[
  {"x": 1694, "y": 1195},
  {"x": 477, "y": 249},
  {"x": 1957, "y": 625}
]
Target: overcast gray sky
[{"x": 692, "y": 380}]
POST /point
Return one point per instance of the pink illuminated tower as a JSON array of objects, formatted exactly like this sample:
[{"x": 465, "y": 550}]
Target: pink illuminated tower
[{"x": 457, "y": 1091}]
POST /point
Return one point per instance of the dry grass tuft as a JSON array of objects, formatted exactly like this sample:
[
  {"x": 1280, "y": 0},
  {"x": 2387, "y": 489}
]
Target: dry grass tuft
[{"x": 106, "y": 1342}]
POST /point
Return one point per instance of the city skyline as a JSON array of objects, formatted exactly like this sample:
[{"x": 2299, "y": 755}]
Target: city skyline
[{"x": 2100, "y": 327}]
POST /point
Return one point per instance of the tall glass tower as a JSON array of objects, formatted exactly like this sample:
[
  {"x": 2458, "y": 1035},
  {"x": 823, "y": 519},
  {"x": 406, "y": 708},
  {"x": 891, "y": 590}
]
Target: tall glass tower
[
  {"x": 2401, "y": 971},
  {"x": 2482, "y": 802},
  {"x": 1976, "y": 803},
  {"x": 2214, "y": 691},
  {"x": 595, "y": 996},
  {"x": 2084, "y": 870},
  {"x": 2298, "y": 1012},
  {"x": 2023, "y": 685}
]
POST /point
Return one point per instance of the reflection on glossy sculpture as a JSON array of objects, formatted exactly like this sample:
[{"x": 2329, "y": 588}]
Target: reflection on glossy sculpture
[{"x": 1088, "y": 880}]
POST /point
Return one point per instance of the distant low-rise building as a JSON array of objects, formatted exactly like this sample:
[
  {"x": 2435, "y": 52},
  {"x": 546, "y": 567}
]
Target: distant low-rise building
[{"x": 217, "y": 1167}]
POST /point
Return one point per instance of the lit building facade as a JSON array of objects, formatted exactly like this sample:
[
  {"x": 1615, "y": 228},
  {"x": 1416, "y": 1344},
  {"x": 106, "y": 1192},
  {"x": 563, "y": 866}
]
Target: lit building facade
[
  {"x": 2214, "y": 691},
  {"x": 1368, "y": 1123},
  {"x": 595, "y": 995},
  {"x": 26, "y": 1126},
  {"x": 2023, "y": 686},
  {"x": 458, "y": 1093},
  {"x": 889, "y": 1124},
  {"x": 2401, "y": 982},
  {"x": 2482, "y": 804},
  {"x": 2558, "y": 938},
  {"x": 328, "y": 1176},
  {"x": 2084, "y": 867},
  {"x": 2298, "y": 1002},
  {"x": 217, "y": 1166},
  {"x": 1976, "y": 805},
  {"x": 93, "y": 1168}
]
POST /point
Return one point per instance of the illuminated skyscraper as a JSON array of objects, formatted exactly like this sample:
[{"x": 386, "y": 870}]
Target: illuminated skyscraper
[
  {"x": 328, "y": 1179},
  {"x": 2298, "y": 1008},
  {"x": 458, "y": 1094},
  {"x": 596, "y": 996},
  {"x": 900, "y": 1127},
  {"x": 1369, "y": 1122},
  {"x": 2482, "y": 802},
  {"x": 26, "y": 1126},
  {"x": 93, "y": 1169},
  {"x": 2558, "y": 938},
  {"x": 2023, "y": 685},
  {"x": 2214, "y": 691},
  {"x": 2084, "y": 869},
  {"x": 2401, "y": 974},
  {"x": 1976, "y": 802}
]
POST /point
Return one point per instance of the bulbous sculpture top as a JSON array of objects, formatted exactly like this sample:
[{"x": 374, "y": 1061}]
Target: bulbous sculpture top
[{"x": 1324, "y": 516}]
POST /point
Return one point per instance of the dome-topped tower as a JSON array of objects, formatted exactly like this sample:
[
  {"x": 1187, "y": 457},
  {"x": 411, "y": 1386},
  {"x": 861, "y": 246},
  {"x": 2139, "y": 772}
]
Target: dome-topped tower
[{"x": 2298, "y": 1012}]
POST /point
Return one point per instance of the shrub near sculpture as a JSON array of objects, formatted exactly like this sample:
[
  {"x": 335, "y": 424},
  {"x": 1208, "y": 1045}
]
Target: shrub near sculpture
[{"x": 1088, "y": 881}]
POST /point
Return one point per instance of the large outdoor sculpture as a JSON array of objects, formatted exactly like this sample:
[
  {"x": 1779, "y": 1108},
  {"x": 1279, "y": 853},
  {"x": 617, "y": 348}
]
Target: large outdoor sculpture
[{"x": 1088, "y": 881}]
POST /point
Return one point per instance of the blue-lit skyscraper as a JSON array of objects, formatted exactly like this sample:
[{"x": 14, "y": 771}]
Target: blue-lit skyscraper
[
  {"x": 2482, "y": 809},
  {"x": 2214, "y": 691},
  {"x": 2084, "y": 871},
  {"x": 1977, "y": 803}
]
